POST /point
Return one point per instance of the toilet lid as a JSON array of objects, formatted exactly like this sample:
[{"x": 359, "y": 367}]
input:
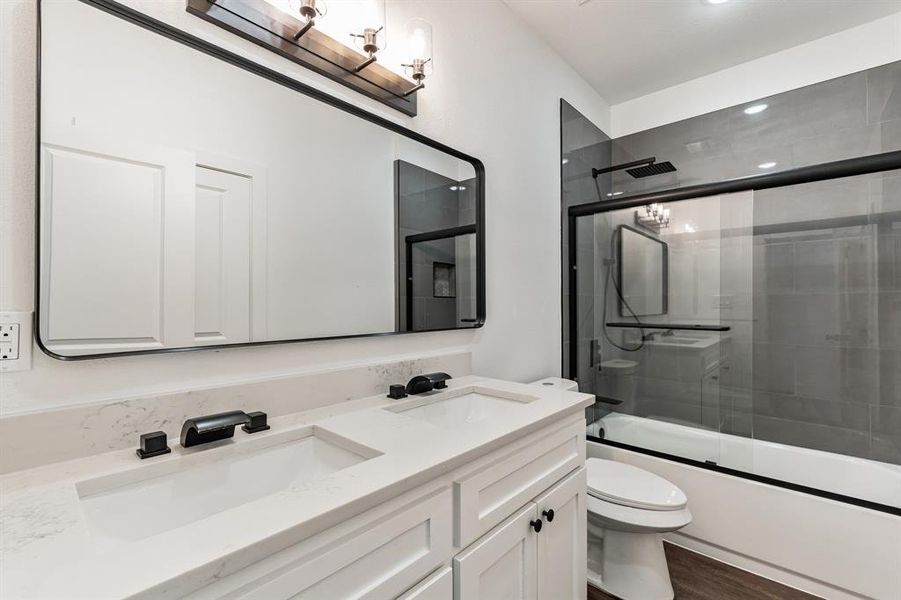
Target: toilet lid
[{"x": 630, "y": 486}]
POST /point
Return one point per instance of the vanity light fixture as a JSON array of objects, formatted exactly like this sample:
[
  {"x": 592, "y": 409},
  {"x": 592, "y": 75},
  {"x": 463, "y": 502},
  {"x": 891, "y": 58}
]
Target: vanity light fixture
[
  {"x": 372, "y": 25},
  {"x": 756, "y": 108},
  {"x": 344, "y": 40},
  {"x": 655, "y": 217},
  {"x": 419, "y": 48},
  {"x": 309, "y": 11}
]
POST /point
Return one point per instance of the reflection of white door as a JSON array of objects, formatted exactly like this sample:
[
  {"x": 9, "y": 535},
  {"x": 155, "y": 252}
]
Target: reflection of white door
[
  {"x": 143, "y": 248},
  {"x": 117, "y": 226},
  {"x": 222, "y": 301}
]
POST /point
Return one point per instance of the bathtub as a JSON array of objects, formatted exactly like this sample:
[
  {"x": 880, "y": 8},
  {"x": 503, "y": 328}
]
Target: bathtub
[{"x": 846, "y": 475}]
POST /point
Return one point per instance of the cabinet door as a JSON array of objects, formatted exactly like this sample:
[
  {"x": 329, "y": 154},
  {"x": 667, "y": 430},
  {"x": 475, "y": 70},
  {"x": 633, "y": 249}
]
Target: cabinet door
[
  {"x": 501, "y": 565},
  {"x": 562, "y": 543},
  {"x": 437, "y": 586}
]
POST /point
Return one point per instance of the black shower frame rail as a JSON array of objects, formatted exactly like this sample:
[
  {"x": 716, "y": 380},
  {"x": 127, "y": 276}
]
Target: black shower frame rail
[{"x": 864, "y": 165}]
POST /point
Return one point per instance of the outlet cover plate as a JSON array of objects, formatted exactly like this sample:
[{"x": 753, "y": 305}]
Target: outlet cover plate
[{"x": 15, "y": 341}]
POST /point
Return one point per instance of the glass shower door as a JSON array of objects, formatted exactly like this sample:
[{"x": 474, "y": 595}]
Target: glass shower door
[{"x": 664, "y": 321}]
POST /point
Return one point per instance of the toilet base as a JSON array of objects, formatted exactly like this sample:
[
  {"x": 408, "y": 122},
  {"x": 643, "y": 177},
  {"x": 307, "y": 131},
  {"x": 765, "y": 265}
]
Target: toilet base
[{"x": 631, "y": 566}]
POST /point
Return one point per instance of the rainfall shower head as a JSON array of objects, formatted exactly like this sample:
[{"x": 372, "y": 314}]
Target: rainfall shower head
[
  {"x": 639, "y": 168},
  {"x": 654, "y": 168}
]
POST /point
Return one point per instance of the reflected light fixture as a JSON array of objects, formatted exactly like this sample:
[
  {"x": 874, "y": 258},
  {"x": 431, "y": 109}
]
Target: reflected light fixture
[
  {"x": 755, "y": 108},
  {"x": 766, "y": 165},
  {"x": 309, "y": 11},
  {"x": 713, "y": 2},
  {"x": 655, "y": 217},
  {"x": 419, "y": 48}
]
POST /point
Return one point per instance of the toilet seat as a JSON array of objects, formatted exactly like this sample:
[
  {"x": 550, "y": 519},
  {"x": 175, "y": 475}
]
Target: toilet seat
[{"x": 628, "y": 486}]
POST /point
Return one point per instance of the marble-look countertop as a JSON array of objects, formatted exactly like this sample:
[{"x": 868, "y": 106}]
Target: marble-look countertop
[{"x": 49, "y": 550}]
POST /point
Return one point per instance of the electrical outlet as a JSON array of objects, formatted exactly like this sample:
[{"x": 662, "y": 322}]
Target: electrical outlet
[
  {"x": 15, "y": 341},
  {"x": 9, "y": 341}
]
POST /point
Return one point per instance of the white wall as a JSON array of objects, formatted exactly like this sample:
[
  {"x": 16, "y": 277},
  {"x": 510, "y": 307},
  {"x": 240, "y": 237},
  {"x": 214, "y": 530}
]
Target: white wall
[
  {"x": 863, "y": 47},
  {"x": 494, "y": 94}
]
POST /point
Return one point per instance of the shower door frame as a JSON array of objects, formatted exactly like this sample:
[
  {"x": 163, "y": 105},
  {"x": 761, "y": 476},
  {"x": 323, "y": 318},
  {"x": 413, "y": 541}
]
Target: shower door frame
[{"x": 864, "y": 165}]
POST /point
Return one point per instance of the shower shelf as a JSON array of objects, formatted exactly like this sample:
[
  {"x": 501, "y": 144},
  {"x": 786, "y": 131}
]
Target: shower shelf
[{"x": 674, "y": 326}]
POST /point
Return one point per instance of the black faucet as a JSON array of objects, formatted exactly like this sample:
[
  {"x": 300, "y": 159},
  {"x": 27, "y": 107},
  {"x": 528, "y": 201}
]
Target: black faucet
[
  {"x": 427, "y": 383},
  {"x": 210, "y": 428}
]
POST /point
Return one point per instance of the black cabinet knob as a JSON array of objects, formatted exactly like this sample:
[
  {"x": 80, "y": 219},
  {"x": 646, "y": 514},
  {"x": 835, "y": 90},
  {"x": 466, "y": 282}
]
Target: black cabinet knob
[
  {"x": 536, "y": 525},
  {"x": 548, "y": 514}
]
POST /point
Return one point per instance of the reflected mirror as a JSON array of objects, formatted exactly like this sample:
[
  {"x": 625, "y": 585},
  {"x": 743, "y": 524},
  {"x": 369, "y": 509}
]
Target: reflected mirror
[
  {"x": 209, "y": 205},
  {"x": 642, "y": 273}
]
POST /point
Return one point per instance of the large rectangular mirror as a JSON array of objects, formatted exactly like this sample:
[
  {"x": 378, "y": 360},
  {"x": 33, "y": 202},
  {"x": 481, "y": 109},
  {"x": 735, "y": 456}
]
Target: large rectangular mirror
[
  {"x": 222, "y": 203},
  {"x": 643, "y": 267}
]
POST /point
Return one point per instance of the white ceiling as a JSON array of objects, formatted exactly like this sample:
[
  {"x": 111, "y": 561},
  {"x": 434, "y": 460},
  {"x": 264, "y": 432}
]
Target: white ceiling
[{"x": 629, "y": 48}]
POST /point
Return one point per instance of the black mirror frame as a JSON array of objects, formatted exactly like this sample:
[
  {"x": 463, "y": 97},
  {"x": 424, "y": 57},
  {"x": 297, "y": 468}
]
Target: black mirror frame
[
  {"x": 150, "y": 24},
  {"x": 664, "y": 284}
]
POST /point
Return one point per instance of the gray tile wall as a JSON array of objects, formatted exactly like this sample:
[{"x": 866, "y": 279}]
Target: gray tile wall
[{"x": 818, "y": 364}]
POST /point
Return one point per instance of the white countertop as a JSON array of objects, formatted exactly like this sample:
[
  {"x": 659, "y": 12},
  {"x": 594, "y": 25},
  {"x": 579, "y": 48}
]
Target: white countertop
[{"x": 47, "y": 549}]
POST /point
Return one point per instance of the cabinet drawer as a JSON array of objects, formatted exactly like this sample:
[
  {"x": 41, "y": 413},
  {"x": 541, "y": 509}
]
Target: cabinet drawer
[
  {"x": 437, "y": 586},
  {"x": 488, "y": 495},
  {"x": 382, "y": 557}
]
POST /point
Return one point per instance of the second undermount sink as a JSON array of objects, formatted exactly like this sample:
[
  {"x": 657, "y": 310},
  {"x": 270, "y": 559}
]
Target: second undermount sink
[
  {"x": 151, "y": 499},
  {"x": 463, "y": 405}
]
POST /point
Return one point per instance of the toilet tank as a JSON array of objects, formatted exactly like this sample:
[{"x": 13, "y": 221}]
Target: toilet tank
[{"x": 559, "y": 383}]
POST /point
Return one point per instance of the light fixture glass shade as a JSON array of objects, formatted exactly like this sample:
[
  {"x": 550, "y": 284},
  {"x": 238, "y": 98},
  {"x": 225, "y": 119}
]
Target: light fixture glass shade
[
  {"x": 367, "y": 23},
  {"x": 306, "y": 10},
  {"x": 419, "y": 43}
]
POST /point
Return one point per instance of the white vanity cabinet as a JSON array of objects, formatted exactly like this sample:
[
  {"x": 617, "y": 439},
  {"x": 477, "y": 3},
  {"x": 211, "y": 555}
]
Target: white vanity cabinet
[
  {"x": 466, "y": 535},
  {"x": 535, "y": 554}
]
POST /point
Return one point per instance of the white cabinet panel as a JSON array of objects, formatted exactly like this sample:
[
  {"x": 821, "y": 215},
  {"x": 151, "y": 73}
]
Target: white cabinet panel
[
  {"x": 502, "y": 565},
  {"x": 491, "y": 493},
  {"x": 437, "y": 586},
  {"x": 222, "y": 302},
  {"x": 562, "y": 543},
  {"x": 381, "y": 559},
  {"x": 117, "y": 263}
]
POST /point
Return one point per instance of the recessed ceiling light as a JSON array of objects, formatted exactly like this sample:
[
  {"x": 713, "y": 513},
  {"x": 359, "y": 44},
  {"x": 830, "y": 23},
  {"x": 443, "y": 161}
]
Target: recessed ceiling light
[
  {"x": 756, "y": 108},
  {"x": 714, "y": 1},
  {"x": 766, "y": 165}
]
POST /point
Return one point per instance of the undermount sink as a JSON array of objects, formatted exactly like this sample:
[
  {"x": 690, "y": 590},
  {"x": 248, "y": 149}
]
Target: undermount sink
[
  {"x": 145, "y": 501},
  {"x": 461, "y": 406}
]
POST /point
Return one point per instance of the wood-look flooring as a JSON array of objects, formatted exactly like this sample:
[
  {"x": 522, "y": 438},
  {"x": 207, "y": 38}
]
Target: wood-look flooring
[{"x": 697, "y": 577}]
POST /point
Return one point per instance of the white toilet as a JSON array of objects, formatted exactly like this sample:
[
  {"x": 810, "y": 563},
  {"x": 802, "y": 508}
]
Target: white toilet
[{"x": 628, "y": 511}]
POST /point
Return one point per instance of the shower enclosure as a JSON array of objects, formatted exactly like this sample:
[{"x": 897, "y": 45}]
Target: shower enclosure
[{"x": 755, "y": 331}]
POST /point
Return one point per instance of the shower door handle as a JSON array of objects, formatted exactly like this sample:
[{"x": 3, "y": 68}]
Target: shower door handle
[{"x": 592, "y": 353}]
